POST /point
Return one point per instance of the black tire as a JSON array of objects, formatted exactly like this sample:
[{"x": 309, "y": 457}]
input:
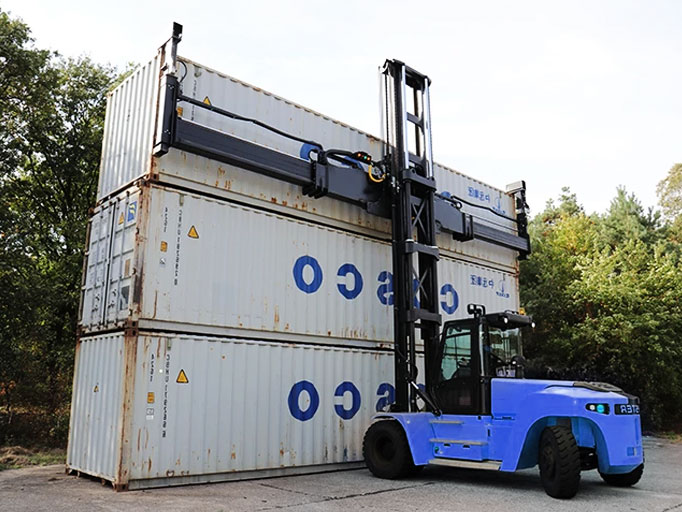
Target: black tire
[
  {"x": 386, "y": 451},
  {"x": 624, "y": 479},
  {"x": 559, "y": 461}
]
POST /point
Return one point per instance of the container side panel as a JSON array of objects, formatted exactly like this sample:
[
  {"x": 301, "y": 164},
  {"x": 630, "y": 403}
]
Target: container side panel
[
  {"x": 212, "y": 263},
  {"x": 129, "y": 129},
  {"x": 94, "y": 437},
  {"x": 212, "y": 405}
]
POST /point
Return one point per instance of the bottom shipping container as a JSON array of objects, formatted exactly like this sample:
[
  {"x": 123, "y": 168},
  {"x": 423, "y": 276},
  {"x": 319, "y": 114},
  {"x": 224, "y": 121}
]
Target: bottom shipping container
[{"x": 153, "y": 410}]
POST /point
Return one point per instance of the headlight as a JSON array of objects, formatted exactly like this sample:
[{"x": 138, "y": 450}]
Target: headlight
[{"x": 598, "y": 408}]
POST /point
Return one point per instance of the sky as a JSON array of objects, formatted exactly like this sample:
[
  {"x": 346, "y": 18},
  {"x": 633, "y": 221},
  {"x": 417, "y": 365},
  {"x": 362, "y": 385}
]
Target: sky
[{"x": 584, "y": 94}]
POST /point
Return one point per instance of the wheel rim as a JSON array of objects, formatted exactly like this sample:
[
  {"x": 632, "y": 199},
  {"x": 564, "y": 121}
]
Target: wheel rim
[{"x": 547, "y": 461}]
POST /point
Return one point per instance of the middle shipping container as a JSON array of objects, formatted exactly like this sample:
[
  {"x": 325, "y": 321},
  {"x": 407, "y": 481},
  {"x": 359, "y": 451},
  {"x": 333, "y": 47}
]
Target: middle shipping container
[{"x": 168, "y": 259}]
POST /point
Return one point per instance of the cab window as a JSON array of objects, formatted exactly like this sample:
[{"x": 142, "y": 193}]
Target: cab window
[{"x": 456, "y": 361}]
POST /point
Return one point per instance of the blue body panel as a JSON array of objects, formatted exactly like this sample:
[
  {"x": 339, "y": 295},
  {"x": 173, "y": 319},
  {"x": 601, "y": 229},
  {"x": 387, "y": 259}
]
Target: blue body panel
[{"x": 520, "y": 411}]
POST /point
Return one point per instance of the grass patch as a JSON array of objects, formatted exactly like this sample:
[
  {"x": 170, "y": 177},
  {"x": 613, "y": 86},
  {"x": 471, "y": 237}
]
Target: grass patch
[{"x": 14, "y": 457}]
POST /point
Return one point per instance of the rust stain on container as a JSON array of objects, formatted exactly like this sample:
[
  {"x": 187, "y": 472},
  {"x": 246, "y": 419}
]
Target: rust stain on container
[{"x": 276, "y": 315}]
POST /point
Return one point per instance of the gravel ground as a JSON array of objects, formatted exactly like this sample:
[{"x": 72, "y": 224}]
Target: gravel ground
[{"x": 440, "y": 489}]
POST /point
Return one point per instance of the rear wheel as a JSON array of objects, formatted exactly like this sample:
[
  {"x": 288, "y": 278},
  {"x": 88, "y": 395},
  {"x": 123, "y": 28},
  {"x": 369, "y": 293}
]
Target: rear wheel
[
  {"x": 624, "y": 479},
  {"x": 386, "y": 451},
  {"x": 559, "y": 462}
]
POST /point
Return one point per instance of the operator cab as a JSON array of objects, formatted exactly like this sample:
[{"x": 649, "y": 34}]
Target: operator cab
[{"x": 473, "y": 351}]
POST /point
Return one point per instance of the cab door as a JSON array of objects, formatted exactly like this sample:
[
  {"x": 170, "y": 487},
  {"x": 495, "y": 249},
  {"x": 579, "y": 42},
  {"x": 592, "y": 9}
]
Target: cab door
[{"x": 457, "y": 386}]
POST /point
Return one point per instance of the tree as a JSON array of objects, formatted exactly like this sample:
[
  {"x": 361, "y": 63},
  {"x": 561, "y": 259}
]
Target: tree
[
  {"x": 669, "y": 192},
  {"x": 606, "y": 293},
  {"x": 51, "y": 122}
]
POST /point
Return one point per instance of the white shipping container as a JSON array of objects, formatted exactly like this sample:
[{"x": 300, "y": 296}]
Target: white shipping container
[
  {"x": 129, "y": 138},
  {"x": 152, "y": 410},
  {"x": 168, "y": 259}
]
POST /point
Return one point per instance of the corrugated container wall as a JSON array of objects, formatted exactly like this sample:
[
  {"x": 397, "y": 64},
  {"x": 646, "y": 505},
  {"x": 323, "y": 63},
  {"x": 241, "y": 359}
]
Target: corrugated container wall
[
  {"x": 178, "y": 409},
  {"x": 131, "y": 108},
  {"x": 174, "y": 260}
]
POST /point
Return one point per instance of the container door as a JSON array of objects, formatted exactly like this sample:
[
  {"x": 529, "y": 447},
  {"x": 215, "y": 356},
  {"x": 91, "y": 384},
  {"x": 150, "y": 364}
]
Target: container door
[
  {"x": 105, "y": 293},
  {"x": 121, "y": 267},
  {"x": 93, "y": 289}
]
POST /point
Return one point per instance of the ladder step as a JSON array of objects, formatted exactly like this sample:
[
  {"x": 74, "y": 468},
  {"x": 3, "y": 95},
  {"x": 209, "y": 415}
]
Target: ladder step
[
  {"x": 416, "y": 159},
  {"x": 426, "y": 183},
  {"x": 412, "y": 247},
  {"x": 414, "y": 315},
  {"x": 446, "y": 422},
  {"x": 468, "y": 464},
  {"x": 457, "y": 441},
  {"x": 414, "y": 119}
]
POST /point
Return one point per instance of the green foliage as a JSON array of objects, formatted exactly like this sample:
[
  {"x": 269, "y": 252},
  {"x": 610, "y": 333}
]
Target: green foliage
[
  {"x": 51, "y": 121},
  {"x": 606, "y": 292}
]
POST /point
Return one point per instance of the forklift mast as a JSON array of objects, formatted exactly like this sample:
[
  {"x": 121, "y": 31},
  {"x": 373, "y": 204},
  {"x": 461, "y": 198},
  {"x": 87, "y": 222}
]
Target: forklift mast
[{"x": 415, "y": 252}]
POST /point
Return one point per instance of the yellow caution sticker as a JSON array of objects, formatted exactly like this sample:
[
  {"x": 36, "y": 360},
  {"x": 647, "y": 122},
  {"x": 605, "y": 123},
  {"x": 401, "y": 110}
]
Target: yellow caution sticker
[
  {"x": 150, "y": 397},
  {"x": 121, "y": 219},
  {"x": 96, "y": 390},
  {"x": 193, "y": 232},
  {"x": 207, "y": 101},
  {"x": 182, "y": 378},
  {"x": 164, "y": 246},
  {"x": 179, "y": 109}
]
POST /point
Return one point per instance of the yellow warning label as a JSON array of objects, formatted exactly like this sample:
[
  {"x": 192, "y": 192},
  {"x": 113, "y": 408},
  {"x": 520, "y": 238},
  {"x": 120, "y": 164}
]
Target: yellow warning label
[
  {"x": 164, "y": 246},
  {"x": 182, "y": 378},
  {"x": 120, "y": 219},
  {"x": 150, "y": 397},
  {"x": 179, "y": 109},
  {"x": 96, "y": 389},
  {"x": 207, "y": 101},
  {"x": 193, "y": 232}
]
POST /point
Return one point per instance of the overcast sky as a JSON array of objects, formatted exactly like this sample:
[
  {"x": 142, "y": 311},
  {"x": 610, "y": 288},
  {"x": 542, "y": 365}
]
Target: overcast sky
[{"x": 586, "y": 94}]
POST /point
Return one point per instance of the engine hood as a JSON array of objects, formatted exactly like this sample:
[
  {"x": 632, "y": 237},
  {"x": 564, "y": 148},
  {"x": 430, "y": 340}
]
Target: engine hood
[{"x": 509, "y": 396}]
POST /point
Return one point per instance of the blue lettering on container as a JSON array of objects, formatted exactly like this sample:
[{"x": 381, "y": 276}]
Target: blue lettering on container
[
  {"x": 385, "y": 290},
  {"x": 386, "y": 394},
  {"x": 449, "y": 307},
  {"x": 341, "y": 389},
  {"x": 296, "y": 390},
  {"x": 299, "y": 266},
  {"x": 344, "y": 270}
]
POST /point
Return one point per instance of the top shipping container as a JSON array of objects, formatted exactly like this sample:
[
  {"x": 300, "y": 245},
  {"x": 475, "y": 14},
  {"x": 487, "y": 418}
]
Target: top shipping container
[{"x": 132, "y": 114}]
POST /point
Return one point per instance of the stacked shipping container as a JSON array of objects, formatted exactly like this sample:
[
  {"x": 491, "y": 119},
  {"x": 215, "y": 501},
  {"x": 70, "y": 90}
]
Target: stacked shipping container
[{"x": 230, "y": 325}]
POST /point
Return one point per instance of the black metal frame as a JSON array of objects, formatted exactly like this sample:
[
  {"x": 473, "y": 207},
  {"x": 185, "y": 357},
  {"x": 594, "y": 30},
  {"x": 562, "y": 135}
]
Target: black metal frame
[{"x": 317, "y": 179}]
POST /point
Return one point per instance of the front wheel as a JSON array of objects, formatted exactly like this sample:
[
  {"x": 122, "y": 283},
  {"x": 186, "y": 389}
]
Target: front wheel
[
  {"x": 559, "y": 462},
  {"x": 624, "y": 479},
  {"x": 386, "y": 451}
]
